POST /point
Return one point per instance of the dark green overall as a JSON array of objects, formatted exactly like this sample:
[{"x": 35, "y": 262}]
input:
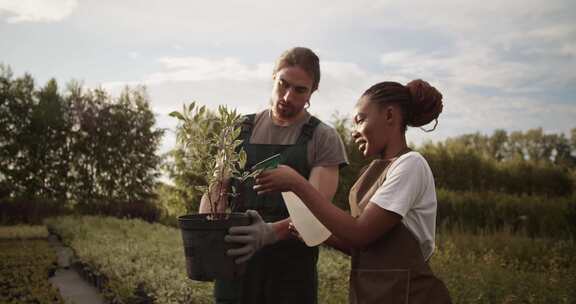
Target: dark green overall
[{"x": 284, "y": 272}]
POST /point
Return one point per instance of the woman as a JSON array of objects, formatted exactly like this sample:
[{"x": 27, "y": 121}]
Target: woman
[{"x": 390, "y": 233}]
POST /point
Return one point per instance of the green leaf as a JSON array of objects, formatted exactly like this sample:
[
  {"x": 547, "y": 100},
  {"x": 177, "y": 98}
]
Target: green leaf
[
  {"x": 242, "y": 158},
  {"x": 177, "y": 114}
]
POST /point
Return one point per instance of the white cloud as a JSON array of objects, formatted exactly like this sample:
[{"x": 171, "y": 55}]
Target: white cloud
[
  {"x": 481, "y": 65},
  {"x": 463, "y": 17},
  {"x": 134, "y": 55},
  {"x": 509, "y": 48},
  {"x": 36, "y": 10},
  {"x": 247, "y": 87},
  {"x": 342, "y": 70},
  {"x": 198, "y": 69},
  {"x": 569, "y": 49},
  {"x": 212, "y": 22}
]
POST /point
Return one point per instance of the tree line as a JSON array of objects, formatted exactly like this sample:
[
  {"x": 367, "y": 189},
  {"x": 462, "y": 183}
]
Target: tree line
[
  {"x": 521, "y": 163},
  {"x": 85, "y": 146},
  {"x": 80, "y": 145}
]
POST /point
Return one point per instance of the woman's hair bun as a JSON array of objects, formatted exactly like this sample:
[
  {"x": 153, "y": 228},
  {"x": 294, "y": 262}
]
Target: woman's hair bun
[{"x": 426, "y": 103}]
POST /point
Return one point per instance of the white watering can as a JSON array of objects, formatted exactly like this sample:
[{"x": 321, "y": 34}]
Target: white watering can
[{"x": 309, "y": 227}]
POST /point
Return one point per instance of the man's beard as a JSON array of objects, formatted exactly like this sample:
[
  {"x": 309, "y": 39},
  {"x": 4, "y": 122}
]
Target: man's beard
[{"x": 286, "y": 111}]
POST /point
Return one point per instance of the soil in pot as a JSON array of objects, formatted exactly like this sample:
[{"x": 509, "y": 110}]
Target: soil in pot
[{"x": 205, "y": 248}]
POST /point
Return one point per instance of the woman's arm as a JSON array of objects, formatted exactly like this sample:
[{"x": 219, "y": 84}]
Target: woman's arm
[
  {"x": 337, "y": 244},
  {"x": 325, "y": 180},
  {"x": 356, "y": 232}
]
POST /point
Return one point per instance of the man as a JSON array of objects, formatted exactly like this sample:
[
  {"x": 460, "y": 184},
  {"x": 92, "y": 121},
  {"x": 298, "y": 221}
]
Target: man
[{"x": 282, "y": 269}]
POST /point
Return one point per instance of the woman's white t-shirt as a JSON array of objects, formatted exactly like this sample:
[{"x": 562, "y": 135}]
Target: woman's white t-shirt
[{"x": 409, "y": 192}]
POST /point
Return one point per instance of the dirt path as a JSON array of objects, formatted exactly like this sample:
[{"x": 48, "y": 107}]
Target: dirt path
[{"x": 72, "y": 287}]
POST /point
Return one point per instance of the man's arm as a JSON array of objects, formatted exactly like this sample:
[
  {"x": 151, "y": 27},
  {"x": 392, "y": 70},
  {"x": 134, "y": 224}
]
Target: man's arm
[{"x": 325, "y": 180}]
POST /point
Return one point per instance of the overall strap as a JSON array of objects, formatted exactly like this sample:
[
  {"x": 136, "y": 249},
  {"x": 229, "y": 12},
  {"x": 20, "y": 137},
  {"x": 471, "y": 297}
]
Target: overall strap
[
  {"x": 247, "y": 125},
  {"x": 308, "y": 130}
]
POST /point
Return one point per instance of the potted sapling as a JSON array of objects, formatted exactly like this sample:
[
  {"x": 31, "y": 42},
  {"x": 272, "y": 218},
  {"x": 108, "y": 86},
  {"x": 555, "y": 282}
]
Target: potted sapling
[{"x": 210, "y": 142}]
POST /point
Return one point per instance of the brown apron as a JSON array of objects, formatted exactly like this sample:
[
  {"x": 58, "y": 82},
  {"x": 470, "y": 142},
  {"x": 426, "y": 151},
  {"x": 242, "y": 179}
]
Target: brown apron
[{"x": 392, "y": 269}]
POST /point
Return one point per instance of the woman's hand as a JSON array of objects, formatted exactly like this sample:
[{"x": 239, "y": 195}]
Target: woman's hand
[{"x": 281, "y": 179}]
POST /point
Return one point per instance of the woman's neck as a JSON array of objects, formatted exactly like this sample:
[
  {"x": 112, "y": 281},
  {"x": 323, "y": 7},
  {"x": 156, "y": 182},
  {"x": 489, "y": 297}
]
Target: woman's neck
[{"x": 394, "y": 148}]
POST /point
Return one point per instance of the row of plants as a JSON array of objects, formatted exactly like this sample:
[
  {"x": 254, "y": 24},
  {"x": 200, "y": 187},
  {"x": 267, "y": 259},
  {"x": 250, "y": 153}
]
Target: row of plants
[
  {"x": 131, "y": 260},
  {"x": 26, "y": 263},
  {"x": 134, "y": 261},
  {"x": 23, "y": 232},
  {"x": 533, "y": 216},
  {"x": 143, "y": 262}
]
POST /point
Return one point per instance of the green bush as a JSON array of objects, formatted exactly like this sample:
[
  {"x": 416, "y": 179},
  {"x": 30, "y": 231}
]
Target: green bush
[
  {"x": 30, "y": 211},
  {"x": 34, "y": 211},
  {"x": 141, "y": 209},
  {"x": 534, "y": 216}
]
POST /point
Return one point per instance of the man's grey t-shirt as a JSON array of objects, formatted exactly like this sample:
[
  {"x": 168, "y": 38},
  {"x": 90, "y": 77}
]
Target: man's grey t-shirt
[{"x": 324, "y": 149}]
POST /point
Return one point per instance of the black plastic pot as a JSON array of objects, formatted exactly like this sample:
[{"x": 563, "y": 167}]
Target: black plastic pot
[{"x": 204, "y": 245}]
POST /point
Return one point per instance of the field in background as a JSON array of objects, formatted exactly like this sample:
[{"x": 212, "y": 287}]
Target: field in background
[
  {"x": 26, "y": 261},
  {"x": 136, "y": 259}
]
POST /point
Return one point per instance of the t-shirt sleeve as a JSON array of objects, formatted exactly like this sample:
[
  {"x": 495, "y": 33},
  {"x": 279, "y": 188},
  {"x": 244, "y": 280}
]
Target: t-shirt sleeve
[
  {"x": 403, "y": 185},
  {"x": 328, "y": 148}
]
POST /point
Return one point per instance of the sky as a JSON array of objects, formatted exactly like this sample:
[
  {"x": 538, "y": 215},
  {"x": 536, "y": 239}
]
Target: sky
[{"x": 499, "y": 64}]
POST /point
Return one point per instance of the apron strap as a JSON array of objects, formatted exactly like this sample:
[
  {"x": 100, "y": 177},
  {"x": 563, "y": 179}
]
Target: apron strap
[
  {"x": 308, "y": 130},
  {"x": 247, "y": 125}
]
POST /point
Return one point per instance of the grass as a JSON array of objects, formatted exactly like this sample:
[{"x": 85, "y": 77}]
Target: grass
[
  {"x": 504, "y": 268},
  {"x": 490, "y": 268}
]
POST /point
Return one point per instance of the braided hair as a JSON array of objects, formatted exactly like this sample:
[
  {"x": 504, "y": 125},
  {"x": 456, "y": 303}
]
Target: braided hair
[{"x": 419, "y": 102}]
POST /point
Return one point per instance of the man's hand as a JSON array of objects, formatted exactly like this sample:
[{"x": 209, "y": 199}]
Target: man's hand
[
  {"x": 218, "y": 200},
  {"x": 294, "y": 232},
  {"x": 254, "y": 236}
]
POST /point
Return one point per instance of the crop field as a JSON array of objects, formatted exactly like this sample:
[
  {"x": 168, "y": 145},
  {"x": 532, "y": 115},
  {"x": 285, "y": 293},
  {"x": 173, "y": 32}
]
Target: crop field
[
  {"x": 134, "y": 260},
  {"x": 26, "y": 261}
]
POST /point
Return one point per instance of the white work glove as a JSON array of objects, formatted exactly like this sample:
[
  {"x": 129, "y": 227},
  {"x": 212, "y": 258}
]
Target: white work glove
[{"x": 254, "y": 236}]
